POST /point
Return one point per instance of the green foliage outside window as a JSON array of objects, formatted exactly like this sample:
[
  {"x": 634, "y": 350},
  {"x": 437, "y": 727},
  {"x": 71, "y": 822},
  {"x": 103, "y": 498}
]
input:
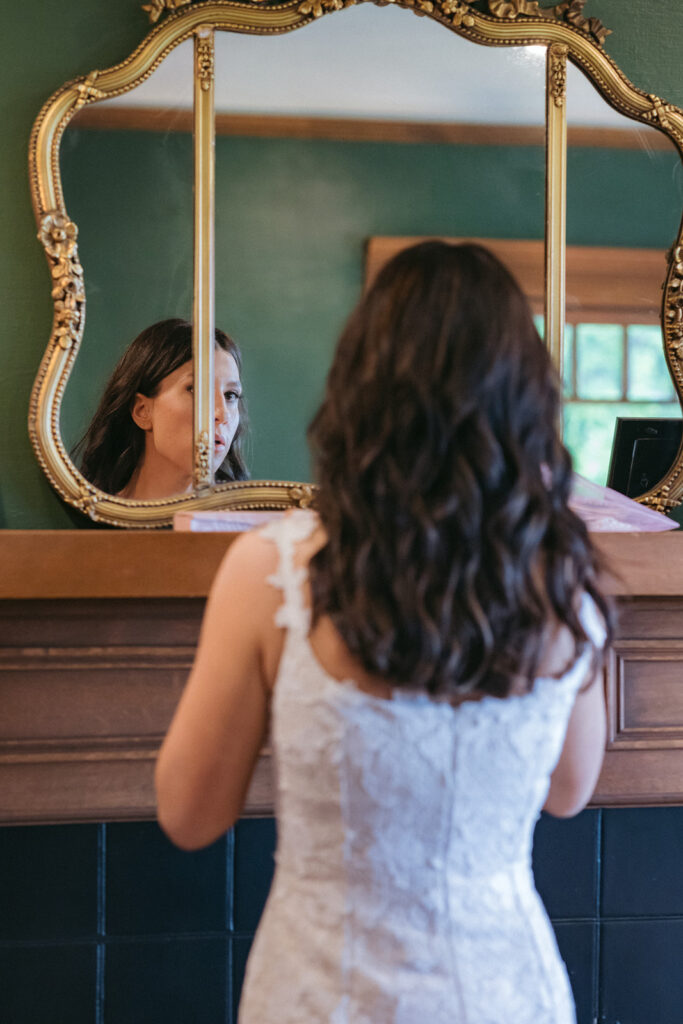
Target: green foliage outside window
[{"x": 610, "y": 371}]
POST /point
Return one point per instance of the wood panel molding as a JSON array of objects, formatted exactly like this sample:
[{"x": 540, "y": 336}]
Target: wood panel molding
[
  {"x": 88, "y": 689},
  {"x": 88, "y": 682},
  {"x": 645, "y": 695},
  {"x": 644, "y": 689}
]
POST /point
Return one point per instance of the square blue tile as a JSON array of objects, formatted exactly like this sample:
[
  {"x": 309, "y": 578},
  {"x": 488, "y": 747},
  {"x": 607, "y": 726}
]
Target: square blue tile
[
  {"x": 641, "y": 972},
  {"x": 177, "y": 981},
  {"x": 565, "y": 864},
  {"x": 48, "y": 882},
  {"x": 154, "y": 888},
  {"x": 643, "y": 862},
  {"x": 48, "y": 984},
  {"x": 577, "y": 941},
  {"x": 240, "y": 955},
  {"x": 254, "y": 849}
]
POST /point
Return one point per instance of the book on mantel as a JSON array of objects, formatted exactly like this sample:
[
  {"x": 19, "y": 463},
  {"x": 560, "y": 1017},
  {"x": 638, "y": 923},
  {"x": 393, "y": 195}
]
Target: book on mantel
[{"x": 227, "y": 521}]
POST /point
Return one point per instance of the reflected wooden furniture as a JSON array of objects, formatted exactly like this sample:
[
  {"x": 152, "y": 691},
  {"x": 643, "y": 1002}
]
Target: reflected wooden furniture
[
  {"x": 603, "y": 285},
  {"x": 97, "y": 634}
]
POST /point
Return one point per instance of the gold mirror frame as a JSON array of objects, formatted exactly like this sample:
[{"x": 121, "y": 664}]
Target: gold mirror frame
[{"x": 562, "y": 29}]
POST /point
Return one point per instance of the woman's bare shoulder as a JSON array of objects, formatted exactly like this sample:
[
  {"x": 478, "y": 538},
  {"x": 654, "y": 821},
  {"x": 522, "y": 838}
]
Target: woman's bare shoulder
[
  {"x": 558, "y": 653},
  {"x": 242, "y": 579},
  {"x": 560, "y": 650}
]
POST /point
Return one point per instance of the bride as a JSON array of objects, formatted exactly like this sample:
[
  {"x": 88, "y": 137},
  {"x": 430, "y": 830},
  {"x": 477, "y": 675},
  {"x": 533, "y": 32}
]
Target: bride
[{"x": 426, "y": 651}]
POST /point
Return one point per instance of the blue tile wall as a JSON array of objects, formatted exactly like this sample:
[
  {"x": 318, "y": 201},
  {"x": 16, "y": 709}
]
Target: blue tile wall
[
  {"x": 254, "y": 865},
  {"x": 110, "y": 924},
  {"x": 641, "y": 972},
  {"x": 565, "y": 861},
  {"x": 240, "y": 952},
  {"x": 577, "y": 942},
  {"x": 48, "y": 984},
  {"x": 172, "y": 981},
  {"x": 154, "y": 888},
  {"x": 643, "y": 862},
  {"x": 48, "y": 882}
]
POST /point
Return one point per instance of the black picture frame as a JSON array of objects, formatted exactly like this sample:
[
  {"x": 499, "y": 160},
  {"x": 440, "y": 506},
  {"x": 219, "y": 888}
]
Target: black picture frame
[{"x": 642, "y": 452}]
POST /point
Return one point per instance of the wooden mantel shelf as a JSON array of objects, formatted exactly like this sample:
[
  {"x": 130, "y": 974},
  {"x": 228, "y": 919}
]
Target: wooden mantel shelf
[
  {"x": 97, "y": 633},
  {"x": 71, "y": 564},
  {"x": 63, "y": 564}
]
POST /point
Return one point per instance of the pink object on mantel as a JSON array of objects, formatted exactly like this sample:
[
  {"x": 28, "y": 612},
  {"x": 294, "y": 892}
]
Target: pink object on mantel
[
  {"x": 606, "y": 511},
  {"x": 228, "y": 521}
]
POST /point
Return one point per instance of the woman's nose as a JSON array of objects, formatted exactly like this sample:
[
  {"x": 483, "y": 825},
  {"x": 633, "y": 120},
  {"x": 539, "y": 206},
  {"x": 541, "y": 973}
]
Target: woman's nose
[{"x": 220, "y": 407}]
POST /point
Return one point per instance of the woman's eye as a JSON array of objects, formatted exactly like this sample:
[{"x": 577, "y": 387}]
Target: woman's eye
[
  {"x": 190, "y": 388},
  {"x": 232, "y": 396}
]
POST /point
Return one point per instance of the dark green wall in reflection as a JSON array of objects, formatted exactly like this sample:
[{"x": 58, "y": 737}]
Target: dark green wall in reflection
[
  {"x": 292, "y": 219},
  {"x": 44, "y": 44}
]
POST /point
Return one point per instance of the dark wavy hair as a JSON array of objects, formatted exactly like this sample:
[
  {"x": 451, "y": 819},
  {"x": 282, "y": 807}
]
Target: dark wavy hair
[
  {"x": 113, "y": 444},
  {"x": 450, "y": 548}
]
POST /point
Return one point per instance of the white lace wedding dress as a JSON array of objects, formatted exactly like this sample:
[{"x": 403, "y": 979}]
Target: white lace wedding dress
[{"x": 403, "y": 891}]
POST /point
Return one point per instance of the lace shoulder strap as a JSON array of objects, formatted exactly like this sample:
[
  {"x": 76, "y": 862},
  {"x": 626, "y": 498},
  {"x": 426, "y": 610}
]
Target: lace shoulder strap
[
  {"x": 287, "y": 533},
  {"x": 592, "y": 621}
]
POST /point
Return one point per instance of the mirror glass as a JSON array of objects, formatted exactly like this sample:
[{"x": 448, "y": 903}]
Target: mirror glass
[
  {"x": 296, "y": 197},
  {"x": 625, "y": 194},
  {"x": 293, "y": 214},
  {"x": 368, "y": 123}
]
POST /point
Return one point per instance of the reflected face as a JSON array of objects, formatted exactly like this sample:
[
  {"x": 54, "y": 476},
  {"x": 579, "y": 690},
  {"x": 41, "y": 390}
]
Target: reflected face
[
  {"x": 227, "y": 393},
  {"x": 167, "y": 420}
]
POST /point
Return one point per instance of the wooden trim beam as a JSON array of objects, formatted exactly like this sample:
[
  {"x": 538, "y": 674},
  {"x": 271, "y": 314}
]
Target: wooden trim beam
[
  {"x": 113, "y": 117},
  {"x": 105, "y": 564},
  {"x": 75, "y": 564},
  {"x": 604, "y": 285}
]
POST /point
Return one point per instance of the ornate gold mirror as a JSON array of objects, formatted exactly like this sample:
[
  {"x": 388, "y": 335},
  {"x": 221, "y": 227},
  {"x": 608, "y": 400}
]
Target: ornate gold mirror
[{"x": 249, "y": 254}]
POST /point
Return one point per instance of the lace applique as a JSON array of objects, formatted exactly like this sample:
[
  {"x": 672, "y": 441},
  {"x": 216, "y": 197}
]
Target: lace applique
[{"x": 287, "y": 533}]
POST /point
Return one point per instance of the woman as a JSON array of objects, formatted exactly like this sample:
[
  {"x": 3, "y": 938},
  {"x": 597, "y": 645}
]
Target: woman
[
  {"x": 139, "y": 443},
  {"x": 431, "y": 678}
]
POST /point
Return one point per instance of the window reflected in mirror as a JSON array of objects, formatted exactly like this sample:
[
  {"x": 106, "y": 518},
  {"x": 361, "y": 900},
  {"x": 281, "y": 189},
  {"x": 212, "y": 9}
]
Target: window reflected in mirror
[
  {"x": 624, "y": 195},
  {"x": 610, "y": 371}
]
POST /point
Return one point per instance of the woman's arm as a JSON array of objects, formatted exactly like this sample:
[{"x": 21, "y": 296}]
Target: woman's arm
[
  {"x": 576, "y": 773},
  {"x": 207, "y": 759}
]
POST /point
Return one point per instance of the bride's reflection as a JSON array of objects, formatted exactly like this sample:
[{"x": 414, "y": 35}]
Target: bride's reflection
[{"x": 139, "y": 442}]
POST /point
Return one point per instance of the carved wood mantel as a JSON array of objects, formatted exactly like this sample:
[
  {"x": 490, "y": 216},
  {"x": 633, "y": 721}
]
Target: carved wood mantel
[{"x": 97, "y": 632}]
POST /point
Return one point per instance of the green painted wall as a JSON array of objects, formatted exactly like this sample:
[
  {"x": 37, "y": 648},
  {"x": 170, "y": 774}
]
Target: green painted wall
[
  {"x": 292, "y": 218},
  {"x": 300, "y": 213},
  {"x": 290, "y": 244}
]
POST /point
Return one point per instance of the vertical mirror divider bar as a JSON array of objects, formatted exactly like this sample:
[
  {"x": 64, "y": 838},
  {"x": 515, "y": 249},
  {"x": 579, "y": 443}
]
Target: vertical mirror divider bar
[
  {"x": 204, "y": 256},
  {"x": 555, "y": 200}
]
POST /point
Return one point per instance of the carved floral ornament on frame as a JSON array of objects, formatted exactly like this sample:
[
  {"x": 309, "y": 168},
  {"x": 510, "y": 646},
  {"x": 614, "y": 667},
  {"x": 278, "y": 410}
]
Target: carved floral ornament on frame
[
  {"x": 458, "y": 11},
  {"x": 495, "y": 22}
]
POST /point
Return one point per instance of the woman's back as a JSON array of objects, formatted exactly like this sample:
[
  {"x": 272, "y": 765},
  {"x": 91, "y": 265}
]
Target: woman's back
[{"x": 403, "y": 884}]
